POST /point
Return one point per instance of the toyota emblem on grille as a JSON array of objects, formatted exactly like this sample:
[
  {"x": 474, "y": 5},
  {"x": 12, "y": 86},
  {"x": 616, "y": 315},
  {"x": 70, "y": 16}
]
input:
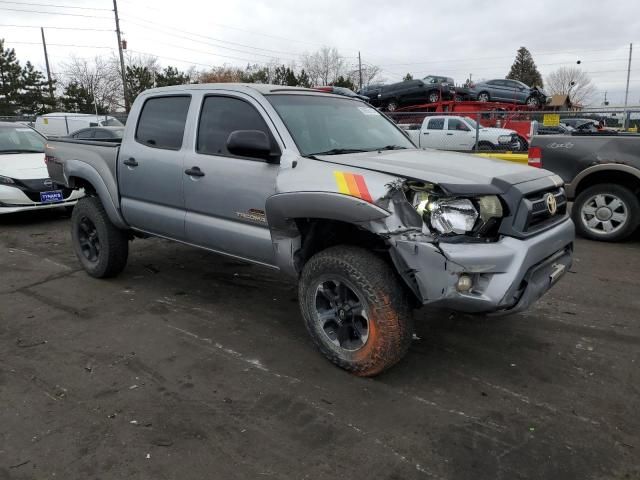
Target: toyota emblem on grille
[
  {"x": 552, "y": 205},
  {"x": 48, "y": 182}
]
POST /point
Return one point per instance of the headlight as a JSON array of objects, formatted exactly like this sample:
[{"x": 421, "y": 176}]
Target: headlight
[
  {"x": 458, "y": 215},
  {"x": 6, "y": 180},
  {"x": 505, "y": 139}
]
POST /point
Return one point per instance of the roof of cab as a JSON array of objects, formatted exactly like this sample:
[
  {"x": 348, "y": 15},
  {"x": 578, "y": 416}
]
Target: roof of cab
[{"x": 264, "y": 89}]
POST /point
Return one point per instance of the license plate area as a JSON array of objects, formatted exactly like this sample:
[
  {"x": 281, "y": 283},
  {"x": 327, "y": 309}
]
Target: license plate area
[{"x": 53, "y": 196}]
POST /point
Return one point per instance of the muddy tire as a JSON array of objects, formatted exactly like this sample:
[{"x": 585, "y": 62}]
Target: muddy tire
[
  {"x": 356, "y": 309},
  {"x": 606, "y": 212},
  {"x": 101, "y": 247},
  {"x": 392, "y": 105}
]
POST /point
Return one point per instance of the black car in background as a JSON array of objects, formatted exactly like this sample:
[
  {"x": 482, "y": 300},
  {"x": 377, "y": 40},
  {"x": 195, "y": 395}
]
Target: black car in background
[
  {"x": 430, "y": 89},
  {"x": 346, "y": 92},
  {"x": 102, "y": 134}
]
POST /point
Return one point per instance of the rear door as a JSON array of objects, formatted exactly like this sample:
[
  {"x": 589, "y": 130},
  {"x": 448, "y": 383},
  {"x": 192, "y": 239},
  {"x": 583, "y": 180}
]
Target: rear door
[
  {"x": 150, "y": 167},
  {"x": 459, "y": 135},
  {"x": 432, "y": 133},
  {"x": 225, "y": 201}
]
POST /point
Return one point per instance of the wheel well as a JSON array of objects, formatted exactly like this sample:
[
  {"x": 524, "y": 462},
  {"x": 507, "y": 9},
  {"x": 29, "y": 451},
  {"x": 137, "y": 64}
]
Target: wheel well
[
  {"x": 320, "y": 234},
  {"x": 610, "y": 176},
  {"x": 77, "y": 182}
]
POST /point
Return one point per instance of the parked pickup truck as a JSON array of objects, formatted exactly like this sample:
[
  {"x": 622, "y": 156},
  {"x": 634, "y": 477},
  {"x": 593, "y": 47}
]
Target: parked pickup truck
[
  {"x": 328, "y": 190},
  {"x": 602, "y": 176},
  {"x": 459, "y": 133}
]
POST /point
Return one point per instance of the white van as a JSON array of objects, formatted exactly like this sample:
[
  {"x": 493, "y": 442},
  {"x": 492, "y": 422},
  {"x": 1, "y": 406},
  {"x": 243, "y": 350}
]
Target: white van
[{"x": 60, "y": 124}]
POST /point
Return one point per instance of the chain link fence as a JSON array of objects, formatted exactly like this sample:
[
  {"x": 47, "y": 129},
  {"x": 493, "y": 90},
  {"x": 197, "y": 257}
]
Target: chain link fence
[{"x": 505, "y": 130}]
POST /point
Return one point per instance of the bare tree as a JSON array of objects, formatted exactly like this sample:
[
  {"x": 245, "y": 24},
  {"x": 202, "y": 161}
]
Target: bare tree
[
  {"x": 573, "y": 82},
  {"x": 323, "y": 66},
  {"x": 98, "y": 76}
]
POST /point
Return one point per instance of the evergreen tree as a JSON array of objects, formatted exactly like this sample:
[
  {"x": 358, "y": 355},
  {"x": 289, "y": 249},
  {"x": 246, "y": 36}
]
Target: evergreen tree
[
  {"x": 78, "y": 99},
  {"x": 171, "y": 76},
  {"x": 11, "y": 81},
  {"x": 524, "y": 69},
  {"x": 407, "y": 77},
  {"x": 35, "y": 97},
  {"x": 139, "y": 79},
  {"x": 303, "y": 79},
  {"x": 344, "y": 82}
]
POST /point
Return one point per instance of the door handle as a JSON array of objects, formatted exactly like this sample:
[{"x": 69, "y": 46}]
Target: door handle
[
  {"x": 449, "y": 133},
  {"x": 130, "y": 162},
  {"x": 425, "y": 133},
  {"x": 194, "y": 172}
]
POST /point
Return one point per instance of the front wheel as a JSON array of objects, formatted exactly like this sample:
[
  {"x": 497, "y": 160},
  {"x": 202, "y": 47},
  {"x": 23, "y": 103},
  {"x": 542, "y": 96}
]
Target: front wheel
[
  {"x": 533, "y": 101},
  {"x": 101, "y": 247},
  {"x": 355, "y": 309},
  {"x": 392, "y": 105},
  {"x": 434, "y": 96},
  {"x": 604, "y": 212}
]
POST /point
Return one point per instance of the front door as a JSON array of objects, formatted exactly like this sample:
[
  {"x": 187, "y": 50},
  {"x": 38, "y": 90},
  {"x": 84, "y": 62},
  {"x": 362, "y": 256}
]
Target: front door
[
  {"x": 225, "y": 194},
  {"x": 150, "y": 170},
  {"x": 459, "y": 135}
]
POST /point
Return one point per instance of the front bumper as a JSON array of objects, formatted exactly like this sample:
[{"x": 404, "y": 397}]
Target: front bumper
[
  {"x": 508, "y": 275},
  {"x": 14, "y": 200}
]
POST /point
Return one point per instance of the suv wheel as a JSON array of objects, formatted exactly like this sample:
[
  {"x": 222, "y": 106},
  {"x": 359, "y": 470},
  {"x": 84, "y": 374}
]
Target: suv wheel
[
  {"x": 483, "y": 97},
  {"x": 355, "y": 309},
  {"x": 101, "y": 247},
  {"x": 433, "y": 96},
  {"x": 608, "y": 213},
  {"x": 533, "y": 101}
]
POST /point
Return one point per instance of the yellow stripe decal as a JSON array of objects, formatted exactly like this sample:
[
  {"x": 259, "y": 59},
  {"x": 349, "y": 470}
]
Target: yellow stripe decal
[{"x": 341, "y": 181}]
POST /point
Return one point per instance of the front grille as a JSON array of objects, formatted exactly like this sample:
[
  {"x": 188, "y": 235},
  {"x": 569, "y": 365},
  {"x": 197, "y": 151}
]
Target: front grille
[
  {"x": 539, "y": 215},
  {"x": 32, "y": 188}
]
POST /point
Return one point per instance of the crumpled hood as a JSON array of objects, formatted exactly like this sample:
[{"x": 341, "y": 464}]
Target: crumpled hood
[{"x": 455, "y": 172}]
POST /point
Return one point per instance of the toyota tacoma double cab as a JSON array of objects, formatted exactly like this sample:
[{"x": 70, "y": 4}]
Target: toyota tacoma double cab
[{"x": 329, "y": 191}]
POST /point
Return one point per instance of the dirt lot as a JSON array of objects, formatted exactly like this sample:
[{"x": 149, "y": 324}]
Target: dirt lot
[{"x": 192, "y": 366}]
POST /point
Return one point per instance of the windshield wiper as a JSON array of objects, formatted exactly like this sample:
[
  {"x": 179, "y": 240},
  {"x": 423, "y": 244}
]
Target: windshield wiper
[
  {"x": 392, "y": 147},
  {"x": 340, "y": 151},
  {"x": 21, "y": 151}
]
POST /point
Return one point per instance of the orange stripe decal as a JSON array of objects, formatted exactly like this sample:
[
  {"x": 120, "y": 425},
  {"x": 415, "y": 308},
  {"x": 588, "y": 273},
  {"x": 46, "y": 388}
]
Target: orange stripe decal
[{"x": 351, "y": 184}]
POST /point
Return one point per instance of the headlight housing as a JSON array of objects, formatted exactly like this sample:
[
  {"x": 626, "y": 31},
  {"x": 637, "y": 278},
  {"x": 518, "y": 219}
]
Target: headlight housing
[
  {"x": 459, "y": 216},
  {"x": 505, "y": 139},
  {"x": 6, "y": 180}
]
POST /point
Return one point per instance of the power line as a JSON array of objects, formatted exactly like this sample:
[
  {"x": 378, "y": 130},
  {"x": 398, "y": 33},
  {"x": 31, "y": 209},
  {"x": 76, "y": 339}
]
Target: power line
[
  {"x": 56, "y": 6},
  {"x": 60, "y": 45},
  {"x": 207, "y": 37},
  {"x": 53, "y": 13},
  {"x": 59, "y": 28}
]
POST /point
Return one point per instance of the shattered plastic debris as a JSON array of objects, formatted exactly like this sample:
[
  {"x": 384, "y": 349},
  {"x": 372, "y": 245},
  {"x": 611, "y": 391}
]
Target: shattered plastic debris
[{"x": 148, "y": 456}]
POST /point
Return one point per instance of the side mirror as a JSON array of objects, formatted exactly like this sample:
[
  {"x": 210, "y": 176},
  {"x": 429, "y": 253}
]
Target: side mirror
[{"x": 251, "y": 143}]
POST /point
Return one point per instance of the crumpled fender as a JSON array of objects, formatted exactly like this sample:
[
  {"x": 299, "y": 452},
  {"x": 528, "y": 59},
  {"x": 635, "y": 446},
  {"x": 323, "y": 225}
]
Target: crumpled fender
[
  {"x": 283, "y": 207},
  {"x": 82, "y": 170}
]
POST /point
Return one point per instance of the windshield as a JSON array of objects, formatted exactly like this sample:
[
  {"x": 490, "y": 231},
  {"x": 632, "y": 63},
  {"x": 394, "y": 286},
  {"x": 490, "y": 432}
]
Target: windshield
[
  {"x": 472, "y": 123},
  {"x": 112, "y": 122},
  {"x": 20, "y": 140},
  {"x": 323, "y": 124}
]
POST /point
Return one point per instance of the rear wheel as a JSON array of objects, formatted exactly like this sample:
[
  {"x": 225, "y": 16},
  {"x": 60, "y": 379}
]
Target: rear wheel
[
  {"x": 101, "y": 247},
  {"x": 392, "y": 105},
  {"x": 608, "y": 213},
  {"x": 483, "y": 97},
  {"x": 355, "y": 309}
]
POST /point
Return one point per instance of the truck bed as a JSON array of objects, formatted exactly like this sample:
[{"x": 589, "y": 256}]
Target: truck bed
[{"x": 99, "y": 156}]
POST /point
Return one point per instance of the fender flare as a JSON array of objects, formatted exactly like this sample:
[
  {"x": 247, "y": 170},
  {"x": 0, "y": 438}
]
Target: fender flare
[
  {"x": 572, "y": 186},
  {"x": 84, "y": 171},
  {"x": 282, "y": 208}
]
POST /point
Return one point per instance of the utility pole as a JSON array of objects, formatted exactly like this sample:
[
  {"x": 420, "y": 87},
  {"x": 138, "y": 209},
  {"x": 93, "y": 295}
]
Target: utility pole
[
  {"x": 46, "y": 61},
  {"x": 360, "y": 69},
  {"x": 124, "y": 79},
  {"x": 626, "y": 92}
]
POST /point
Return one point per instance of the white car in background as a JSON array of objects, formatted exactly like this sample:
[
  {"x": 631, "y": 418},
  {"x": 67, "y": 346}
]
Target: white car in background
[
  {"x": 459, "y": 133},
  {"x": 61, "y": 124},
  {"x": 24, "y": 180}
]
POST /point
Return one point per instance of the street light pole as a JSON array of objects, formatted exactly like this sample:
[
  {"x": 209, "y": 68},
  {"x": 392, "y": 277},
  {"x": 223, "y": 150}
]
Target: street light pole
[
  {"x": 626, "y": 92},
  {"x": 124, "y": 79}
]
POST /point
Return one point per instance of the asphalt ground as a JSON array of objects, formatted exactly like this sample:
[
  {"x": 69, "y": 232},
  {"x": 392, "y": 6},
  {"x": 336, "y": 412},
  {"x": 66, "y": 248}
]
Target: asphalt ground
[{"x": 193, "y": 366}]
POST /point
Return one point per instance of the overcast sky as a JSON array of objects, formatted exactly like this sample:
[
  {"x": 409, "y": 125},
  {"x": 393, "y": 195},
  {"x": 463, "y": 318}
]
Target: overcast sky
[{"x": 421, "y": 37}]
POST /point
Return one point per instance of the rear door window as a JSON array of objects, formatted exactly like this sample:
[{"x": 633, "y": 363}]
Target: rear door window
[
  {"x": 162, "y": 120},
  {"x": 435, "y": 124}
]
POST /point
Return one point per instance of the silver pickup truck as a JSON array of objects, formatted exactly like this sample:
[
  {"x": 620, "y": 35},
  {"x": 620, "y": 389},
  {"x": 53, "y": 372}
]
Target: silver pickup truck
[{"x": 328, "y": 190}]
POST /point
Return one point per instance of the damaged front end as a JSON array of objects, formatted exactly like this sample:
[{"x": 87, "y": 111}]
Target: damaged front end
[{"x": 449, "y": 250}]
